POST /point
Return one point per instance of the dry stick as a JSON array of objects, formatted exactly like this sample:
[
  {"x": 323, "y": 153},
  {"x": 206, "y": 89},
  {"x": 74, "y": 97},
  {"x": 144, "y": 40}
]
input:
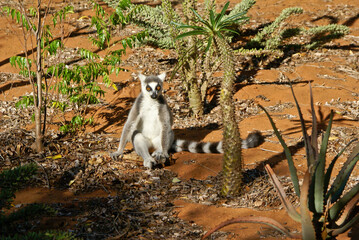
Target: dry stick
[
  {"x": 209, "y": 169},
  {"x": 46, "y": 176}
]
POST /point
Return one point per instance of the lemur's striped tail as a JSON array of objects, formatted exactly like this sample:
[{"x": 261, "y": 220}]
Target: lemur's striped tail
[{"x": 254, "y": 139}]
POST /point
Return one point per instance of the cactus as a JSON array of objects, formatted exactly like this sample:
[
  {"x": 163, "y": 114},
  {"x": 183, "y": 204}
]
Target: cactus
[{"x": 214, "y": 30}]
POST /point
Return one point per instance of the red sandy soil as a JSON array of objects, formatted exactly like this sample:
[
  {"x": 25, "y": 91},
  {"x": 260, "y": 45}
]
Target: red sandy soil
[{"x": 207, "y": 164}]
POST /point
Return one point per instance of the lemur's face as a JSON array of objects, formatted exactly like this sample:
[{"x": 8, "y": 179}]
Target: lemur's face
[{"x": 152, "y": 85}]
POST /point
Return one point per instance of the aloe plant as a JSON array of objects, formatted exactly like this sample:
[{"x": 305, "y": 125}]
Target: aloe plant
[{"x": 325, "y": 210}]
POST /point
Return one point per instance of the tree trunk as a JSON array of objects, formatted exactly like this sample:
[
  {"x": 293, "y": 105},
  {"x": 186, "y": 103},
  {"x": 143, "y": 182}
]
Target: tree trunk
[
  {"x": 195, "y": 99},
  {"x": 193, "y": 85},
  {"x": 232, "y": 158},
  {"x": 38, "y": 96},
  {"x": 194, "y": 90}
]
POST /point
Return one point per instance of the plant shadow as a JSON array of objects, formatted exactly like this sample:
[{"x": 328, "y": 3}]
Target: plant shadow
[{"x": 322, "y": 122}]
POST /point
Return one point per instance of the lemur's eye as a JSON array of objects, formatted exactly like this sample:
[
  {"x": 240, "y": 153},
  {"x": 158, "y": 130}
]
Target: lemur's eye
[
  {"x": 148, "y": 88},
  {"x": 158, "y": 87}
]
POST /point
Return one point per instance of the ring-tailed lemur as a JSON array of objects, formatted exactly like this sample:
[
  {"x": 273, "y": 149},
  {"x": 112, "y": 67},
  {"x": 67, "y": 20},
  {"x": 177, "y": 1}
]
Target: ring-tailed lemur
[{"x": 149, "y": 126}]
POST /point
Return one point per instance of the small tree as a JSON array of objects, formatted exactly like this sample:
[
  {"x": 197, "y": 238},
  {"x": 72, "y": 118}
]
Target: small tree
[
  {"x": 77, "y": 82},
  {"x": 32, "y": 22},
  {"x": 213, "y": 30}
]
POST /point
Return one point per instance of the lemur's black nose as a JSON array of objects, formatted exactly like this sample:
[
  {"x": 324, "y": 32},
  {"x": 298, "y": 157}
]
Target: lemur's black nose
[{"x": 154, "y": 95}]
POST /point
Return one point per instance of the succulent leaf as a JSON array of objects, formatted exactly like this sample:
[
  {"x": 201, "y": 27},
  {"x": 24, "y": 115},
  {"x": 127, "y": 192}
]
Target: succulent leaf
[
  {"x": 314, "y": 137},
  {"x": 308, "y": 231},
  {"x": 348, "y": 209},
  {"x": 308, "y": 148},
  {"x": 286, "y": 203},
  {"x": 341, "y": 180},
  {"x": 331, "y": 166},
  {"x": 344, "y": 228},
  {"x": 319, "y": 190},
  {"x": 288, "y": 154},
  {"x": 341, "y": 204}
]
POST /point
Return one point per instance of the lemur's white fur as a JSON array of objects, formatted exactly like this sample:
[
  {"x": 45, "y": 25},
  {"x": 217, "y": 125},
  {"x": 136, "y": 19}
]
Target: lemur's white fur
[{"x": 149, "y": 126}]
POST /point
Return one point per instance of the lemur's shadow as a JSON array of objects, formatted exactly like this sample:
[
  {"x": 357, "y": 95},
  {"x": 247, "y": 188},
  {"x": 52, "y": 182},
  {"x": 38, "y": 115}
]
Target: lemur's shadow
[{"x": 118, "y": 119}]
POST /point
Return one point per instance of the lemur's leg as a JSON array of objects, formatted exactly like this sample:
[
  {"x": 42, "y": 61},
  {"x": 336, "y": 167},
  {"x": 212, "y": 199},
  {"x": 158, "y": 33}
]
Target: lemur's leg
[
  {"x": 162, "y": 146},
  {"x": 141, "y": 146}
]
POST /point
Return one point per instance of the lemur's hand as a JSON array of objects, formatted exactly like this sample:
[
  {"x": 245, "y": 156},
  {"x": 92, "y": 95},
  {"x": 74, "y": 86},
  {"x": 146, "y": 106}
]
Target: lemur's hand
[{"x": 114, "y": 155}]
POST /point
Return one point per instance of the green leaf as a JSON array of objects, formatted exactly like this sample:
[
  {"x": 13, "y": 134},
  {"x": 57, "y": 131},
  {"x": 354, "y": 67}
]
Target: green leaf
[
  {"x": 288, "y": 154},
  {"x": 191, "y": 33},
  {"x": 54, "y": 46},
  {"x": 209, "y": 43},
  {"x": 308, "y": 147},
  {"x": 212, "y": 18},
  {"x": 330, "y": 168},
  {"x": 308, "y": 231},
  {"x": 314, "y": 137},
  {"x": 236, "y": 17},
  {"x": 25, "y": 101},
  {"x": 199, "y": 17},
  {"x": 336, "y": 210},
  {"x": 346, "y": 227},
  {"x": 286, "y": 203},
  {"x": 220, "y": 16},
  {"x": 341, "y": 180},
  {"x": 319, "y": 190}
]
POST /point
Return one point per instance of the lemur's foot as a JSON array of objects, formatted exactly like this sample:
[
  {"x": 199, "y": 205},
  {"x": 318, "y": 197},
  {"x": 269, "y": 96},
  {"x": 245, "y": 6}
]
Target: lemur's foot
[
  {"x": 149, "y": 163},
  {"x": 114, "y": 155},
  {"x": 160, "y": 157}
]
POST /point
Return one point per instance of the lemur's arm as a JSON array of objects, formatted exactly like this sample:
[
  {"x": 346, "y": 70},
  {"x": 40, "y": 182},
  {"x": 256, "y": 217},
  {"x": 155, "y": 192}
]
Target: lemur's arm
[
  {"x": 125, "y": 136},
  {"x": 127, "y": 129}
]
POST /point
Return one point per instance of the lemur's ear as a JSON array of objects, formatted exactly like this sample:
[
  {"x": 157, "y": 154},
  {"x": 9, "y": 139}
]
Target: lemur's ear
[
  {"x": 141, "y": 77},
  {"x": 162, "y": 76}
]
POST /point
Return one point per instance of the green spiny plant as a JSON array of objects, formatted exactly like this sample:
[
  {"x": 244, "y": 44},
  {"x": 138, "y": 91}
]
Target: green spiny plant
[
  {"x": 189, "y": 51},
  {"x": 192, "y": 52},
  {"x": 273, "y": 36},
  {"x": 267, "y": 36},
  {"x": 323, "y": 34},
  {"x": 213, "y": 30},
  {"x": 326, "y": 211},
  {"x": 149, "y": 18},
  {"x": 105, "y": 23}
]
